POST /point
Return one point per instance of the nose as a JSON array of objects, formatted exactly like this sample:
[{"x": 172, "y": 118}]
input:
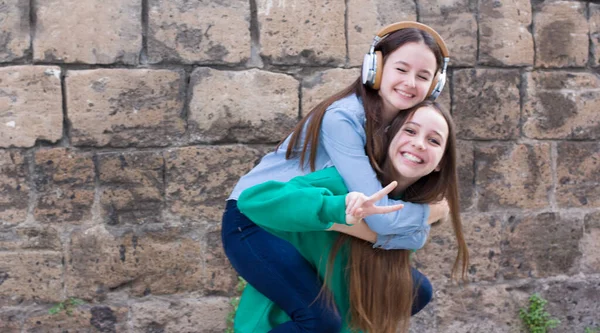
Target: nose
[
  {"x": 417, "y": 142},
  {"x": 410, "y": 81}
]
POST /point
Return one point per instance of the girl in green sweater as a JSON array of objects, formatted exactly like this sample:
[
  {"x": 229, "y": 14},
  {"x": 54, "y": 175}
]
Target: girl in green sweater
[{"x": 372, "y": 288}]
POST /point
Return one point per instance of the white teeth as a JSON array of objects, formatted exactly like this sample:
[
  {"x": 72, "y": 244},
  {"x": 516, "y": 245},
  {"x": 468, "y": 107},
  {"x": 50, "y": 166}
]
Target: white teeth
[
  {"x": 405, "y": 94},
  {"x": 412, "y": 157}
]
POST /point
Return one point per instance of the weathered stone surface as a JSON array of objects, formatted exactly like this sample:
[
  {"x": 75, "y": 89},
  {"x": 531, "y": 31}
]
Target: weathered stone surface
[
  {"x": 199, "y": 31},
  {"x": 85, "y": 318},
  {"x": 125, "y": 107},
  {"x": 575, "y": 302},
  {"x": 561, "y": 34},
  {"x": 199, "y": 179},
  {"x": 322, "y": 85},
  {"x": 590, "y": 262},
  {"x": 220, "y": 276},
  {"x": 30, "y": 238},
  {"x": 513, "y": 176},
  {"x": 367, "y": 17},
  {"x": 245, "y": 106},
  {"x": 30, "y": 105},
  {"x": 466, "y": 174},
  {"x": 594, "y": 22},
  {"x": 541, "y": 245},
  {"x": 486, "y": 103},
  {"x": 206, "y": 315},
  {"x": 578, "y": 174},
  {"x": 132, "y": 187},
  {"x": 14, "y": 190},
  {"x": 29, "y": 276},
  {"x": 11, "y": 320},
  {"x": 562, "y": 105},
  {"x": 162, "y": 261},
  {"x": 482, "y": 234},
  {"x": 14, "y": 30},
  {"x": 64, "y": 181},
  {"x": 88, "y": 32},
  {"x": 302, "y": 31},
  {"x": 456, "y": 22},
  {"x": 480, "y": 308},
  {"x": 504, "y": 37}
]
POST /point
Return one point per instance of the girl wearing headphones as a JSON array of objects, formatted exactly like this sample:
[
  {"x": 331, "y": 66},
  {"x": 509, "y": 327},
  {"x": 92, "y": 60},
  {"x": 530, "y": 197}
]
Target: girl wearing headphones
[
  {"x": 373, "y": 288},
  {"x": 405, "y": 65}
]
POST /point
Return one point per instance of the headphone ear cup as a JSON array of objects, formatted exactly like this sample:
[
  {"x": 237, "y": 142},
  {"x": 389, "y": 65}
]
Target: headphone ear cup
[{"x": 378, "y": 68}]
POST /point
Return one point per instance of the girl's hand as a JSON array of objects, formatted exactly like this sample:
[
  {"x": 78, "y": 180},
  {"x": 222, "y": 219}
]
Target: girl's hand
[{"x": 359, "y": 206}]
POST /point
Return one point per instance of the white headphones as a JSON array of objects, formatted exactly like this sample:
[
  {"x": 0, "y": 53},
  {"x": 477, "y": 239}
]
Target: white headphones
[{"x": 371, "y": 70}]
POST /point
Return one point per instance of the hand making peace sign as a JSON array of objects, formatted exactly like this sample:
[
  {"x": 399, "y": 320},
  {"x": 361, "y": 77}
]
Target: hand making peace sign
[{"x": 359, "y": 206}]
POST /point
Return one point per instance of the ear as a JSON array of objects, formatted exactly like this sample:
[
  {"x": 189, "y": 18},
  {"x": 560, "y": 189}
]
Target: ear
[{"x": 437, "y": 168}]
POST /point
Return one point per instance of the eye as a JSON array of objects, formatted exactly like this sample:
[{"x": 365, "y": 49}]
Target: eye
[
  {"x": 435, "y": 141},
  {"x": 409, "y": 130},
  {"x": 426, "y": 78},
  {"x": 401, "y": 70}
]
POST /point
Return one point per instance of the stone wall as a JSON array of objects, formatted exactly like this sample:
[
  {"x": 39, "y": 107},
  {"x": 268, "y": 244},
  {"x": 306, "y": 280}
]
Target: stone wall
[{"x": 125, "y": 124}]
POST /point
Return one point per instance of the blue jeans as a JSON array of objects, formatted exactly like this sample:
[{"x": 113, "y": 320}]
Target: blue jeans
[{"x": 276, "y": 269}]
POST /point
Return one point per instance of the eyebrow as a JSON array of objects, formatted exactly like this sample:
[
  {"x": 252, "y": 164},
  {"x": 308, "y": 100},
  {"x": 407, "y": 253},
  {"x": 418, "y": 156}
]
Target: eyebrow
[
  {"x": 417, "y": 124},
  {"x": 406, "y": 64}
]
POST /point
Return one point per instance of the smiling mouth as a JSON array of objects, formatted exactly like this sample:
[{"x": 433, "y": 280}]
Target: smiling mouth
[
  {"x": 412, "y": 157},
  {"x": 405, "y": 94}
]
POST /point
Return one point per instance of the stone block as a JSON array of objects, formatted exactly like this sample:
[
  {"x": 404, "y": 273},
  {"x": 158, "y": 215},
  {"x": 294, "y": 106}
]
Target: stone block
[
  {"x": 542, "y": 245},
  {"x": 125, "y": 107},
  {"x": 199, "y": 179},
  {"x": 456, "y": 22},
  {"x": 86, "y": 318},
  {"x": 30, "y": 238},
  {"x": 64, "y": 181},
  {"x": 367, "y": 17},
  {"x": 480, "y": 308},
  {"x": 206, "y": 315},
  {"x": 594, "y": 23},
  {"x": 590, "y": 246},
  {"x": 157, "y": 261},
  {"x": 132, "y": 187},
  {"x": 578, "y": 174},
  {"x": 242, "y": 106},
  {"x": 323, "y": 84},
  {"x": 561, "y": 34},
  {"x": 513, "y": 176},
  {"x": 466, "y": 174},
  {"x": 562, "y": 105},
  {"x": 504, "y": 37},
  {"x": 11, "y": 320},
  {"x": 90, "y": 32},
  {"x": 483, "y": 236},
  {"x": 14, "y": 30},
  {"x": 198, "y": 31},
  {"x": 30, "y": 276},
  {"x": 14, "y": 188},
  {"x": 486, "y": 103},
  {"x": 302, "y": 32},
  {"x": 574, "y": 301},
  {"x": 30, "y": 105}
]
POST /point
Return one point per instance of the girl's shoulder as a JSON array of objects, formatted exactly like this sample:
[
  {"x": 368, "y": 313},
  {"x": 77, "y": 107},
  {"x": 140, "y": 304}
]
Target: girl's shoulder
[{"x": 348, "y": 108}]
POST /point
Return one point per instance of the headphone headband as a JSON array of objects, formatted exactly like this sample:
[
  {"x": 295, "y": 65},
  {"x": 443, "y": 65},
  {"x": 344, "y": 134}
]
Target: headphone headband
[{"x": 403, "y": 25}]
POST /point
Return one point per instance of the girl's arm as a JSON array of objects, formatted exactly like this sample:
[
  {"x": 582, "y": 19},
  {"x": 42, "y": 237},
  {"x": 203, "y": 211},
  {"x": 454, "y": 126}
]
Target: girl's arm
[{"x": 342, "y": 136}]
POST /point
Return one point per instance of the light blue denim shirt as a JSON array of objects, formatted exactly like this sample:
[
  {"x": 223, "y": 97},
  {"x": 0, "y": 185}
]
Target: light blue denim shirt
[{"x": 342, "y": 144}]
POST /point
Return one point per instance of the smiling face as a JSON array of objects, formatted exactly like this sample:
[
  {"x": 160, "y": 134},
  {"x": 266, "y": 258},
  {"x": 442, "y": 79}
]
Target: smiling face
[
  {"x": 406, "y": 78},
  {"x": 418, "y": 147}
]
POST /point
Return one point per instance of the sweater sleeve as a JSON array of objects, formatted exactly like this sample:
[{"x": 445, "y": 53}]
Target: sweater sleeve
[
  {"x": 343, "y": 137},
  {"x": 306, "y": 203}
]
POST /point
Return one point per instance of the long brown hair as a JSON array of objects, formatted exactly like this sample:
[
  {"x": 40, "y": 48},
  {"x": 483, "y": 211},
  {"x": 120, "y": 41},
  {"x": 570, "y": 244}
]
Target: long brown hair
[
  {"x": 371, "y": 101},
  {"x": 380, "y": 281}
]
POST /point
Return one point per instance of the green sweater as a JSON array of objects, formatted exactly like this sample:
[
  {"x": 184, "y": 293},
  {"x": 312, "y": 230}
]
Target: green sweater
[{"x": 294, "y": 211}]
